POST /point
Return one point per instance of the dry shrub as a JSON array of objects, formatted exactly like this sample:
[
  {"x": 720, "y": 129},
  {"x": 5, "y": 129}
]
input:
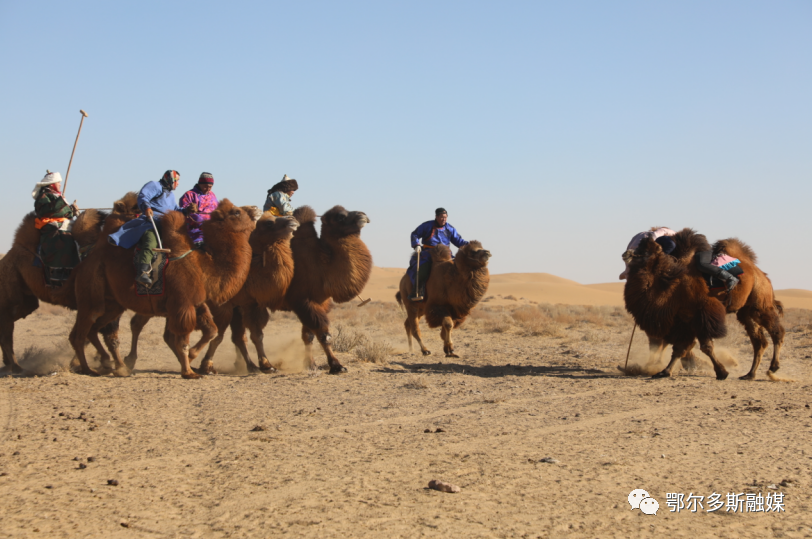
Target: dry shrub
[
  {"x": 511, "y": 297},
  {"x": 498, "y": 324},
  {"x": 374, "y": 351},
  {"x": 536, "y": 323},
  {"x": 346, "y": 340}
]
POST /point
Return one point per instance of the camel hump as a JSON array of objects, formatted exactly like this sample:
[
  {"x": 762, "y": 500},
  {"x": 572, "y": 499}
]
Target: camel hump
[
  {"x": 736, "y": 248},
  {"x": 440, "y": 253},
  {"x": 305, "y": 214},
  {"x": 689, "y": 241},
  {"x": 87, "y": 227},
  {"x": 26, "y": 234}
]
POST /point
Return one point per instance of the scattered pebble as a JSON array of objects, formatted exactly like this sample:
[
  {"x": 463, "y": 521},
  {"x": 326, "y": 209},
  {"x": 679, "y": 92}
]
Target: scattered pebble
[
  {"x": 258, "y": 428},
  {"x": 443, "y": 486},
  {"x": 82, "y": 466},
  {"x": 112, "y": 482},
  {"x": 91, "y": 459},
  {"x": 772, "y": 487},
  {"x": 549, "y": 460},
  {"x": 49, "y": 486},
  {"x": 125, "y": 524}
]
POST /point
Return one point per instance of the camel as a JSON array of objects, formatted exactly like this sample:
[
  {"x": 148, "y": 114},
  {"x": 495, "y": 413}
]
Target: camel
[
  {"x": 22, "y": 285},
  {"x": 106, "y": 288},
  {"x": 454, "y": 288},
  {"x": 670, "y": 300},
  {"x": 333, "y": 267},
  {"x": 268, "y": 279}
]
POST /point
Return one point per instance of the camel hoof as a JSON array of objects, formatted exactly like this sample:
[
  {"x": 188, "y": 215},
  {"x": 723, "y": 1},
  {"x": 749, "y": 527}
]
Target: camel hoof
[
  {"x": 190, "y": 376},
  {"x": 267, "y": 370},
  {"x": 121, "y": 373},
  {"x": 662, "y": 374},
  {"x": 451, "y": 354},
  {"x": 88, "y": 372},
  {"x": 721, "y": 375},
  {"x": 206, "y": 368},
  {"x": 130, "y": 362},
  {"x": 338, "y": 369},
  {"x": 426, "y": 352},
  {"x": 747, "y": 376}
]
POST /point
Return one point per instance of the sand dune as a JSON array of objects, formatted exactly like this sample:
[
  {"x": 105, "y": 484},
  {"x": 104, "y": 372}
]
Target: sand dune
[{"x": 514, "y": 288}]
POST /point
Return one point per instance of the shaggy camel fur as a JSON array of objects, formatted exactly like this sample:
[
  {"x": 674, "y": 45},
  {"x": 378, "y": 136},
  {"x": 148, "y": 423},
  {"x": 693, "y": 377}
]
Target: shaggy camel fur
[
  {"x": 268, "y": 280},
  {"x": 454, "y": 288},
  {"x": 22, "y": 286},
  {"x": 107, "y": 287},
  {"x": 670, "y": 300},
  {"x": 335, "y": 266}
]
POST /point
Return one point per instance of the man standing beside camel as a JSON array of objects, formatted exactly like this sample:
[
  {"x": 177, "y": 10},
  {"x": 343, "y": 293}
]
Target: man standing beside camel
[
  {"x": 155, "y": 198},
  {"x": 424, "y": 238}
]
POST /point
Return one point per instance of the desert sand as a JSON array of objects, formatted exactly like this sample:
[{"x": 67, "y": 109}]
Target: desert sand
[{"x": 534, "y": 422}]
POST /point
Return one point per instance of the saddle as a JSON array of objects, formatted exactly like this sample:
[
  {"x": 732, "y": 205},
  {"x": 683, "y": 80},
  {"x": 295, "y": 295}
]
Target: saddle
[
  {"x": 156, "y": 273},
  {"x": 715, "y": 283}
]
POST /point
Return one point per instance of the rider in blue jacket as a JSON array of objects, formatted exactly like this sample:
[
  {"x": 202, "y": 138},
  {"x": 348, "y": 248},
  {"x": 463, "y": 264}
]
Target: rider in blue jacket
[{"x": 424, "y": 238}]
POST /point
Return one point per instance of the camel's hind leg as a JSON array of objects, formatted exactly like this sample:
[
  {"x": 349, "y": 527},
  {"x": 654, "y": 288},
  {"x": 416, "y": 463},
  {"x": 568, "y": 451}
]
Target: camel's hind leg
[
  {"x": 137, "y": 323},
  {"x": 412, "y": 325},
  {"x": 772, "y": 323},
  {"x": 79, "y": 336},
  {"x": 445, "y": 333},
  {"x": 256, "y": 319},
  {"x": 107, "y": 325},
  {"x": 238, "y": 326},
  {"x": 758, "y": 338},
  {"x": 677, "y": 352},
  {"x": 7, "y": 341},
  {"x": 179, "y": 344},
  {"x": 315, "y": 323},
  {"x": 206, "y": 324},
  {"x": 222, "y": 318}
]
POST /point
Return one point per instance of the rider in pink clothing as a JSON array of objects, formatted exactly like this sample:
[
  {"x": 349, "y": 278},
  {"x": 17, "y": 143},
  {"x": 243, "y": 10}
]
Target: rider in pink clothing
[{"x": 654, "y": 233}]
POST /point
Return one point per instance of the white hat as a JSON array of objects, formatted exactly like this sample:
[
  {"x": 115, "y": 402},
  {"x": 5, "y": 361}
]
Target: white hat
[{"x": 49, "y": 179}]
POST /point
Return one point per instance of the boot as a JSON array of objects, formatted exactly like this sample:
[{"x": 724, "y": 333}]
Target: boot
[
  {"x": 143, "y": 274},
  {"x": 730, "y": 280}
]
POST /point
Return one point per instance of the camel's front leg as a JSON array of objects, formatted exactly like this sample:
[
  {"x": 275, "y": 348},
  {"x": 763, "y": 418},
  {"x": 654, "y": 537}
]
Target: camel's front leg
[
  {"x": 78, "y": 338},
  {"x": 137, "y": 323},
  {"x": 222, "y": 318},
  {"x": 412, "y": 326},
  {"x": 776, "y": 331},
  {"x": 445, "y": 333},
  {"x": 307, "y": 339},
  {"x": 179, "y": 344},
  {"x": 7, "y": 341},
  {"x": 108, "y": 325},
  {"x": 758, "y": 338},
  {"x": 677, "y": 352},
  {"x": 206, "y": 324},
  {"x": 706, "y": 345}
]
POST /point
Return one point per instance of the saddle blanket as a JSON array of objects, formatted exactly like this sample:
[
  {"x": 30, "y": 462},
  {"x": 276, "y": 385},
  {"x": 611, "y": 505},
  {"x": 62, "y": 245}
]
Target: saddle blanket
[{"x": 156, "y": 273}]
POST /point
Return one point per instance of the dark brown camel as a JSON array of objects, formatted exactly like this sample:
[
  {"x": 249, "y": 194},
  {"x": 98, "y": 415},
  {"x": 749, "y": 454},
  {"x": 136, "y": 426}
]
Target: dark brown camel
[
  {"x": 335, "y": 266},
  {"x": 454, "y": 288},
  {"x": 22, "y": 285},
  {"x": 670, "y": 300},
  {"x": 106, "y": 288},
  {"x": 268, "y": 280}
]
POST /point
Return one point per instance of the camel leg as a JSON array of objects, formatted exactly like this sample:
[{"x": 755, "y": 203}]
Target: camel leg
[
  {"x": 137, "y": 323},
  {"x": 107, "y": 325},
  {"x": 307, "y": 338},
  {"x": 256, "y": 320},
  {"x": 677, "y": 352},
  {"x": 757, "y": 337},
  {"x": 412, "y": 325},
  {"x": 179, "y": 344},
  {"x": 706, "y": 345},
  {"x": 238, "y": 338},
  {"x": 776, "y": 331},
  {"x": 445, "y": 333},
  {"x": 222, "y": 318},
  {"x": 7, "y": 341},
  {"x": 79, "y": 336},
  {"x": 205, "y": 323}
]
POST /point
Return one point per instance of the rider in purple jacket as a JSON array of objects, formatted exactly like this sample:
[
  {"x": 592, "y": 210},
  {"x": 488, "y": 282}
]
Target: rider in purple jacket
[{"x": 202, "y": 195}]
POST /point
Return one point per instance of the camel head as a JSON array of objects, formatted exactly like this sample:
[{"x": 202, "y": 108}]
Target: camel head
[
  {"x": 228, "y": 217},
  {"x": 339, "y": 222},
  {"x": 253, "y": 212},
  {"x": 127, "y": 206},
  {"x": 271, "y": 229},
  {"x": 474, "y": 255}
]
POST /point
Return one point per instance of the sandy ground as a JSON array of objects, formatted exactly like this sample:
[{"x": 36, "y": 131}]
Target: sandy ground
[{"x": 311, "y": 455}]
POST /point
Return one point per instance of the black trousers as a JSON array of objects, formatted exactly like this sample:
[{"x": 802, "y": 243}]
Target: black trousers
[{"x": 704, "y": 260}]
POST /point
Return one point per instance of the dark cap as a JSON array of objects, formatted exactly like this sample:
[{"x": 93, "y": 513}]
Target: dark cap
[{"x": 440, "y": 211}]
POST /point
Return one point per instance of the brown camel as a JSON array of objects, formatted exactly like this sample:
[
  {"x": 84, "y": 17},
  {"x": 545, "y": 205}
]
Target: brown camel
[
  {"x": 335, "y": 266},
  {"x": 670, "y": 300},
  {"x": 268, "y": 279},
  {"x": 454, "y": 288},
  {"x": 22, "y": 285},
  {"x": 106, "y": 288}
]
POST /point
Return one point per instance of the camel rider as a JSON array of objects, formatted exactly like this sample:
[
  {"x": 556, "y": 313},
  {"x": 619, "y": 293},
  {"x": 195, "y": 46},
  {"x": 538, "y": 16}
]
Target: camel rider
[
  {"x": 58, "y": 251},
  {"x": 654, "y": 233},
  {"x": 278, "y": 201},
  {"x": 710, "y": 265},
  {"x": 424, "y": 238},
  {"x": 155, "y": 199},
  {"x": 202, "y": 196}
]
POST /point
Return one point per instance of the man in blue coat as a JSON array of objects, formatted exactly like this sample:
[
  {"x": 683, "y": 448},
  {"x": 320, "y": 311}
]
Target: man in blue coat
[
  {"x": 424, "y": 238},
  {"x": 155, "y": 199}
]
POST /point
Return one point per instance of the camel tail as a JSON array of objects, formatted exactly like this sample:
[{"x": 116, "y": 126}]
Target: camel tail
[
  {"x": 399, "y": 299},
  {"x": 736, "y": 248}
]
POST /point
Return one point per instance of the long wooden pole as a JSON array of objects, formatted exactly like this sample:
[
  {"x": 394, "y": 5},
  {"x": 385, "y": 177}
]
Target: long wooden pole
[
  {"x": 65, "y": 187},
  {"x": 630, "y": 348}
]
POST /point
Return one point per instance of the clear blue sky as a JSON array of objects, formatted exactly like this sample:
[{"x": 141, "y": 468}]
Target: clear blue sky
[{"x": 551, "y": 131}]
